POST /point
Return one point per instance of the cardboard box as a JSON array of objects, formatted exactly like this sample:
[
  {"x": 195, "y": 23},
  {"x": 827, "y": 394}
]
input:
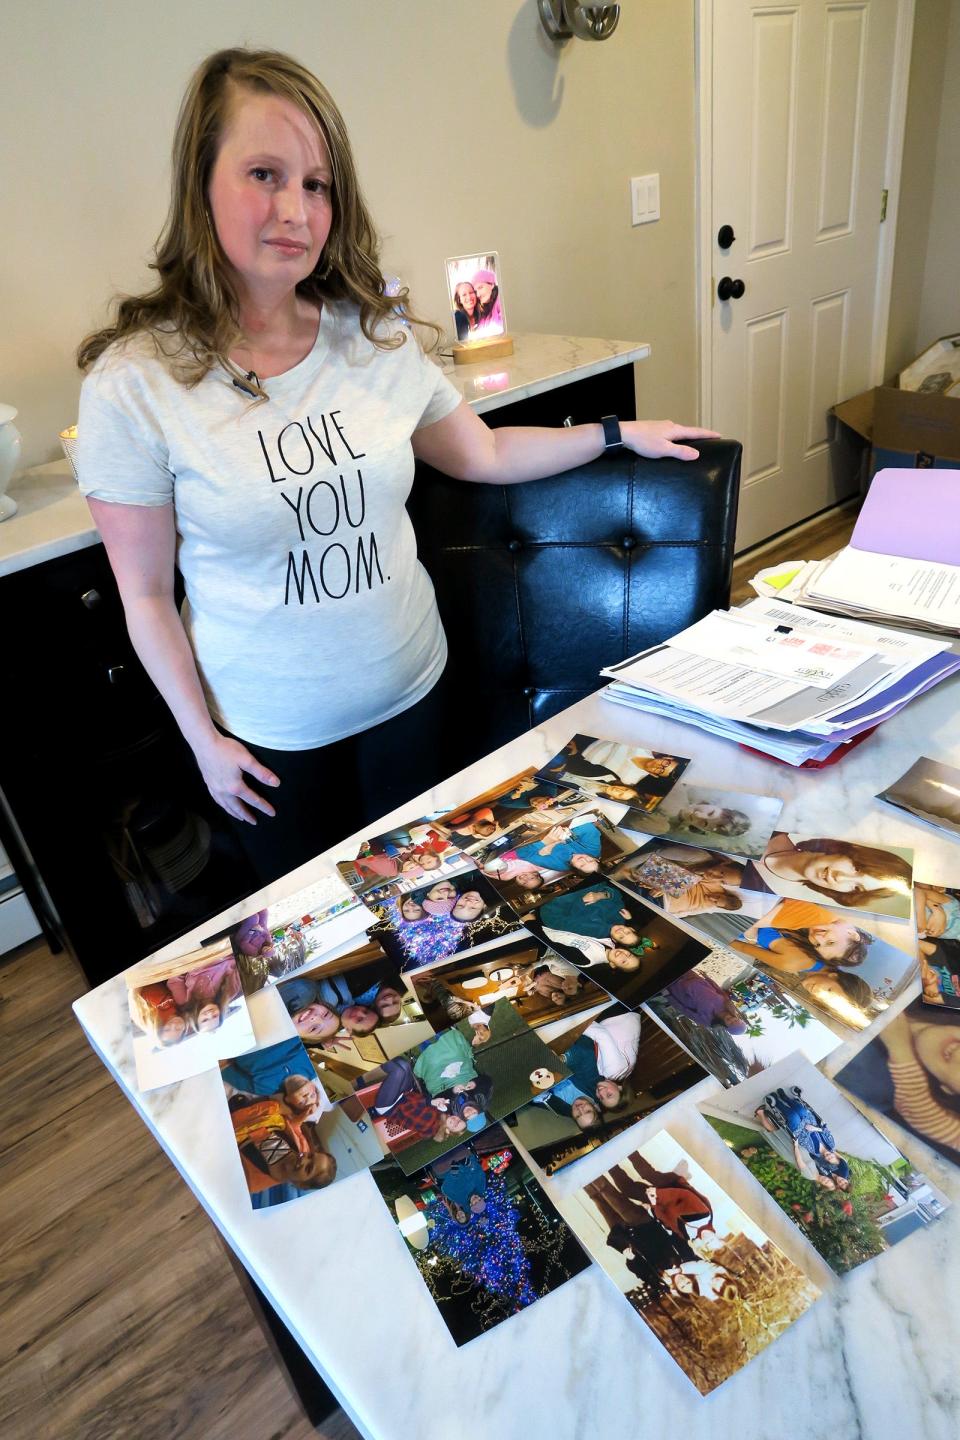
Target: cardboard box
[{"x": 900, "y": 429}]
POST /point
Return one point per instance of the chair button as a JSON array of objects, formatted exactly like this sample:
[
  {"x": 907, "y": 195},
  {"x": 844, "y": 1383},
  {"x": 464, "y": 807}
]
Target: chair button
[
  {"x": 514, "y": 545},
  {"x": 628, "y": 542},
  {"x": 529, "y": 691}
]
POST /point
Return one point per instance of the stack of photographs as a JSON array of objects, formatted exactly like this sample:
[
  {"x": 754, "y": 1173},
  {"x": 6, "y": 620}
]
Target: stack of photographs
[
  {"x": 736, "y": 1020},
  {"x": 828, "y": 960},
  {"x": 621, "y": 944},
  {"x": 482, "y": 1233},
  {"x": 911, "y": 1073},
  {"x": 929, "y": 791},
  {"x": 622, "y": 1067},
  {"x": 614, "y": 770},
  {"x": 530, "y": 863},
  {"x": 843, "y": 1184},
  {"x": 352, "y": 1014},
  {"x": 402, "y": 859},
  {"x": 938, "y": 943},
  {"x": 187, "y": 1014},
  {"x": 714, "y": 1289}
]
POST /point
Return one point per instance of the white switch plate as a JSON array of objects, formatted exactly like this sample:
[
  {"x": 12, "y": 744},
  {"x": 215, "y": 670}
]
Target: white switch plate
[{"x": 644, "y": 199}]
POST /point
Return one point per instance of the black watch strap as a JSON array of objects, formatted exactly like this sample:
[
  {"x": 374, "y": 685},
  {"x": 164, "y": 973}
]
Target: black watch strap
[{"x": 612, "y": 438}]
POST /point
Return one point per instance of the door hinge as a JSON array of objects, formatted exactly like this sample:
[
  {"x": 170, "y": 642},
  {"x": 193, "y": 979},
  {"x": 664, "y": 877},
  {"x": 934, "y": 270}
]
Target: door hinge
[{"x": 884, "y": 197}]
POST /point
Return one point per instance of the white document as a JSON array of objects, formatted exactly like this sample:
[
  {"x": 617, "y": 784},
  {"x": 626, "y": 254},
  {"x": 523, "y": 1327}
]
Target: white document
[
  {"x": 778, "y": 647},
  {"x": 897, "y": 645},
  {"x": 914, "y": 589}
]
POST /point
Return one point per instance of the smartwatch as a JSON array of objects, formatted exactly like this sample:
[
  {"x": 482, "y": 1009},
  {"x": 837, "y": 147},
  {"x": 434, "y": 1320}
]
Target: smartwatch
[{"x": 612, "y": 439}]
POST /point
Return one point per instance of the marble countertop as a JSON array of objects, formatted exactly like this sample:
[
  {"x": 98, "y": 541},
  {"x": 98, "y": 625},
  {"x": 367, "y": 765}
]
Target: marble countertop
[
  {"x": 874, "y": 1357},
  {"x": 53, "y": 519}
]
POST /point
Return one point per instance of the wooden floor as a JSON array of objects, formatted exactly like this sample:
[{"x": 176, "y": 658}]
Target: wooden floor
[
  {"x": 120, "y": 1314},
  {"x": 813, "y": 540}
]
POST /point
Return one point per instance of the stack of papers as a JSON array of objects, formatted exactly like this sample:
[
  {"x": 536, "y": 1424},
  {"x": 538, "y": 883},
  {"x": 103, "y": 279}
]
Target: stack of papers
[
  {"x": 785, "y": 680},
  {"x": 901, "y": 564}
]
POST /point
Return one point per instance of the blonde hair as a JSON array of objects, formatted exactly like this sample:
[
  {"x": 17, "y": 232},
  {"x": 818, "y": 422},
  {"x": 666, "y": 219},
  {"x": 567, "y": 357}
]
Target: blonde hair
[{"x": 194, "y": 297}]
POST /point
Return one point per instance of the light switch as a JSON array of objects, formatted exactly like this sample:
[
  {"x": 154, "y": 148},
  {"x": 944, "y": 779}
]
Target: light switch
[{"x": 644, "y": 199}]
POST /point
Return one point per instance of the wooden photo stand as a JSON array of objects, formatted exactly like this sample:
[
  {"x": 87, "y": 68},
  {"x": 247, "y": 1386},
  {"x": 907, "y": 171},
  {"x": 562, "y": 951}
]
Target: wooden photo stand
[{"x": 493, "y": 349}]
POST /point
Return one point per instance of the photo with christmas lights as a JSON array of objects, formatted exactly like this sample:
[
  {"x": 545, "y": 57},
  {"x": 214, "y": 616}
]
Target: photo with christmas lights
[
  {"x": 843, "y": 1184},
  {"x": 482, "y": 1233},
  {"x": 711, "y": 1285},
  {"x": 622, "y": 1066},
  {"x": 440, "y": 920}
]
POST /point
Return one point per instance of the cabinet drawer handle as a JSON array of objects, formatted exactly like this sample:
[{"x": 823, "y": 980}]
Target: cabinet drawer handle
[
  {"x": 116, "y": 674},
  {"x": 91, "y": 598}
]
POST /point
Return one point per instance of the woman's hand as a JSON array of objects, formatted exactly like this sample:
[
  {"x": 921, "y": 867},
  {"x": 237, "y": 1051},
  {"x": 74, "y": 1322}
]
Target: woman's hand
[
  {"x": 224, "y": 765},
  {"x": 658, "y": 438}
]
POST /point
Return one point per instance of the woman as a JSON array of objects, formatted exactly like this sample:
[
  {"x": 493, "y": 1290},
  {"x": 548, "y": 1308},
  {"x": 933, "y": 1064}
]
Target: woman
[
  {"x": 489, "y": 310},
  {"x": 309, "y": 648},
  {"x": 805, "y": 939},
  {"x": 845, "y": 873},
  {"x": 466, "y": 311}
]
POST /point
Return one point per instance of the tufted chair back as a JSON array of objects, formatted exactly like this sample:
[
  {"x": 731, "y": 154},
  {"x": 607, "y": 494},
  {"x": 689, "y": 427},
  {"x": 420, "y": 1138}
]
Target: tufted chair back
[{"x": 541, "y": 584}]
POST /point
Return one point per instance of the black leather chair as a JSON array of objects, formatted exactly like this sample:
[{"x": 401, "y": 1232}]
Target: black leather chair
[{"x": 540, "y": 585}]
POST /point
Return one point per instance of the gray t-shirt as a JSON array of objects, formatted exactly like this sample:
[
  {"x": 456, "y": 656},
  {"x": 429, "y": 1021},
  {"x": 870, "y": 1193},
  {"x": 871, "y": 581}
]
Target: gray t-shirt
[{"x": 309, "y": 615}]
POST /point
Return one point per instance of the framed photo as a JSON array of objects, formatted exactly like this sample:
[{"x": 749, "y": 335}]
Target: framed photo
[{"x": 473, "y": 285}]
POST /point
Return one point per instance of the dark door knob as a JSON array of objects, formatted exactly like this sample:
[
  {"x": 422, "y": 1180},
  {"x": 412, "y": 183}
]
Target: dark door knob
[
  {"x": 725, "y": 237},
  {"x": 728, "y": 289}
]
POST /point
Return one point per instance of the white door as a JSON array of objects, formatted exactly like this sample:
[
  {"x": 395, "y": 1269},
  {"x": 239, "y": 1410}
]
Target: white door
[{"x": 801, "y": 99}]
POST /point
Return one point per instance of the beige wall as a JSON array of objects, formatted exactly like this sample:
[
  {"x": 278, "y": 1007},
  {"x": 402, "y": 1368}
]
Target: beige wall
[
  {"x": 471, "y": 129},
  {"x": 925, "y": 298}
]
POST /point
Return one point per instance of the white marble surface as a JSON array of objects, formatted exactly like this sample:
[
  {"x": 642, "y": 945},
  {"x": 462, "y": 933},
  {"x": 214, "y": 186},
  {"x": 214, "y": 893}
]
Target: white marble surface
[
  {"x": 53, "y": 519},
  {"x": 538, "y": 363},
  {"x": 875, "y": 1357}
]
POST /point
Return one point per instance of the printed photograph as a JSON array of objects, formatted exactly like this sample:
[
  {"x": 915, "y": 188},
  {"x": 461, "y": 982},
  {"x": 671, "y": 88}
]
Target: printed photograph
[
  {"x": 714, "y": 1289},
  {"x": 843, "y": 1184},
  {"x": 473, "y": 284},
  {"x": 298, "y": 928},
  {"x": 714, "y": 893},
  {"x": 529, "y": 863},
  {"x": 187, "y": 1015},
  {"x": 731, "y": 821},
  {"x": 938, "y": 943},
  {"x": 856, "y": 877},
  {"x": 426, "y": 1102},
  {"x": 622, "y": 1068},
  {"x": 929, "y": 791},
  {"x": 288, "y": 1141},
  {"x": 737, "y": 1021},
  {"x": 632, "y": 952},
  {"x": 402, "y": 859},
  {"x": 540, "y": 985},
  {"x": 523, "y": 799},
  {"x": 911, "y": 1073},
  {"x": 841, "y": 969},
  {"x": 615, "y": 770},
  {"x": 440, "y": 920},
  {"x": 352, "y": 1014},
  {"x": 482, "y": 1233}
]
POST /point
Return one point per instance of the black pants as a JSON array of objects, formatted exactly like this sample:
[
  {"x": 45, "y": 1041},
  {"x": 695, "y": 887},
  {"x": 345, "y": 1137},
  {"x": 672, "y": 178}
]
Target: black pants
[{"x": 327, "y": 793}]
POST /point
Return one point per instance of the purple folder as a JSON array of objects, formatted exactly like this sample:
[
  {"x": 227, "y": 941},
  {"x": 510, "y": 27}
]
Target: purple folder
[{"x": 912, "y": 513}]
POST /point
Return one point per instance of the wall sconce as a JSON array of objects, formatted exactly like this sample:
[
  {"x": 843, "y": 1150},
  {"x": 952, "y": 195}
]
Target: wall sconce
[{"x": 563, "y": 19}]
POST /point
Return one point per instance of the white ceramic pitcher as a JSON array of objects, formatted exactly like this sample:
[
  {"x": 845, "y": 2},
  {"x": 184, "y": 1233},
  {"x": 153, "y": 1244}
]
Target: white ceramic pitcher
[{"x": 10, "y": 445}]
